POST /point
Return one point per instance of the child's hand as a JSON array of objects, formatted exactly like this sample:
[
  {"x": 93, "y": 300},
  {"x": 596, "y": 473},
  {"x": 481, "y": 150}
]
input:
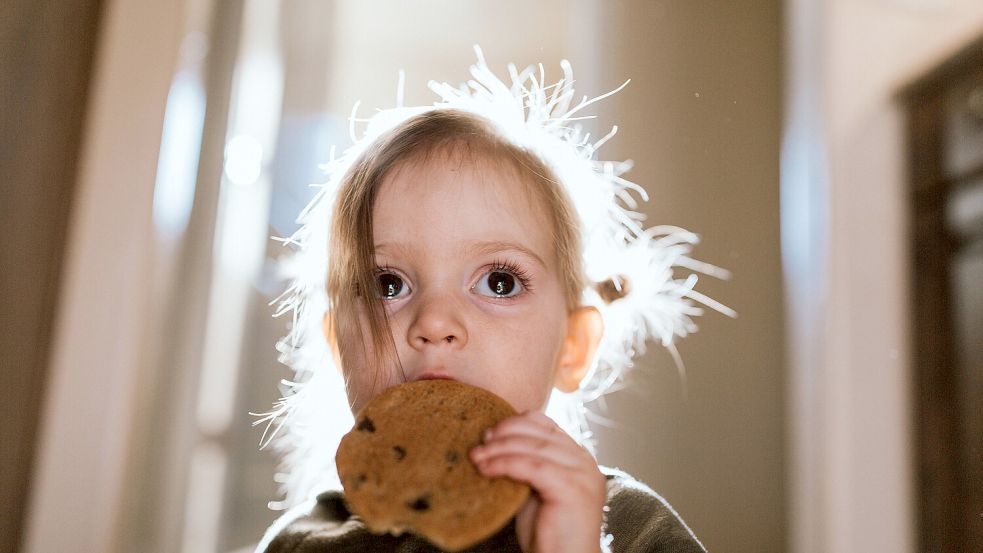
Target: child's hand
[{"x": 565, "y": 510}]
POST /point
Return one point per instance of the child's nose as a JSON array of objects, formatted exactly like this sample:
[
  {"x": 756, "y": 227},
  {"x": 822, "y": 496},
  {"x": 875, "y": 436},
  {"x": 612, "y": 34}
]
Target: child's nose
[{"x": 437, "y": 324}]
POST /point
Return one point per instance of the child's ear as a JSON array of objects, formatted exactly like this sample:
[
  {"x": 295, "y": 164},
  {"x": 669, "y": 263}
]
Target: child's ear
[{"x": 585, "y": 326}]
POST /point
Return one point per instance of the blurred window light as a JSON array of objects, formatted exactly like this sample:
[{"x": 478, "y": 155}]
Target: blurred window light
[
  {"x": 243, "y": 160},
  {"x": 803, "y": 203},
  {"x": 177, "y": 167}
]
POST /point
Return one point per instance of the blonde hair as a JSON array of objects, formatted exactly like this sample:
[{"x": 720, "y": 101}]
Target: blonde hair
[{"x": 452, "y": 133}]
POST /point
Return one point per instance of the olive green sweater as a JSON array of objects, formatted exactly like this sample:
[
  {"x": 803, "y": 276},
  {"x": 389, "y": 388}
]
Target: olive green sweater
[{"x": 637, "y": 520}]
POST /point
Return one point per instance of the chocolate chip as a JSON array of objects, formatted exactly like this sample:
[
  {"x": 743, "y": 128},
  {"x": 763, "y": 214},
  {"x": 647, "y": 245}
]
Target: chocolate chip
[
  {"x": 399, "y": 453},
  {"x": 422, "y": 503},
  {"x": 366, "y": 425},
  {"x": 451, "y": 457}
]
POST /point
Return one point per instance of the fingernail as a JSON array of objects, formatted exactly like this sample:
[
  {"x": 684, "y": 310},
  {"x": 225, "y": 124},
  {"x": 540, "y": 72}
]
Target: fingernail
[{"x": 488, "y": 435}]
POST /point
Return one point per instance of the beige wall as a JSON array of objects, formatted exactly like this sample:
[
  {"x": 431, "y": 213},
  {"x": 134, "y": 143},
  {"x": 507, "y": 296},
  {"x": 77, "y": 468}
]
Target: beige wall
[
  {"x": 701, "y": 118},
  {"x": 439, "y": 45}
]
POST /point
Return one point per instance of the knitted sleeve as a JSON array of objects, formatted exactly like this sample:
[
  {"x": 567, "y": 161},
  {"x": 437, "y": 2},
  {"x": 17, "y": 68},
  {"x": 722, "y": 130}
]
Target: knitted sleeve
[{"x": 638, "y": 520}]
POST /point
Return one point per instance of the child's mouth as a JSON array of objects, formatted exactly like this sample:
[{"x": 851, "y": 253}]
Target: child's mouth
[{"x": 435, "y": 375}]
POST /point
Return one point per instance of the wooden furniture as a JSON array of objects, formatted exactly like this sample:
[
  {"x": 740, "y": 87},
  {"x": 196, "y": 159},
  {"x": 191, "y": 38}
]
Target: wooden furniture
[{"x": 945, "y": 131}]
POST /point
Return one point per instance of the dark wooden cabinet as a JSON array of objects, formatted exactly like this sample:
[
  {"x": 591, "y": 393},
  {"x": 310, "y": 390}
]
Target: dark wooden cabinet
[{"x": 945, "y": 141}]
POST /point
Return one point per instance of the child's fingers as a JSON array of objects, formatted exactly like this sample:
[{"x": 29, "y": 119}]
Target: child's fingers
[
  {"x": 544, "y": 476},
  {"x": 531, "y": 448},
  {"x": 534, "y": 433},
  {"x": 570, "y": 489},
  {"x": 538, "y": 446},
  {"x": 553, "y": 482}
]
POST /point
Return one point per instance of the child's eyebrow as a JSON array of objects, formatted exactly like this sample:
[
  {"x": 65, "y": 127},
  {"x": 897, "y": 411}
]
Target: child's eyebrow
[
  {"x": 483, "y": 248},
  {"x": 475, "y": 248}
]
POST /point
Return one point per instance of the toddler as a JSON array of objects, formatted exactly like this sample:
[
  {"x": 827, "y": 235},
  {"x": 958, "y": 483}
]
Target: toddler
[{"x": 458, "y": 245}]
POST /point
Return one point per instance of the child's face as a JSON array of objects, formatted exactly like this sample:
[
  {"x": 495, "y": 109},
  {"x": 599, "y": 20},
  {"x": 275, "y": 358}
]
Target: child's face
[{"x": 473, "y": 294}]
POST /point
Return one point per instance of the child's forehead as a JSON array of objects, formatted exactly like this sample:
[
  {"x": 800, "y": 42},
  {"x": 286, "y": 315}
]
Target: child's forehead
[
  {"x": 486, "y": 165},
  {"x": 470, "y": 208},
  {"x": 450, "y": 179}
]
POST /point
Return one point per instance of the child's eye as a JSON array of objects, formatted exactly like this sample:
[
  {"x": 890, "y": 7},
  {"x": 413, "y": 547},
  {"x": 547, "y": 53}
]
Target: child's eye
[
  {"x": 391, "y": 286},
  {"x": 503, "y": 281}
]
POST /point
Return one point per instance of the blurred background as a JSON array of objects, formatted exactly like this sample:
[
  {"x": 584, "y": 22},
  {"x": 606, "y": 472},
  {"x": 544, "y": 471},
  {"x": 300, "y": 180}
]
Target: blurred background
[{"x": 829, "y": 154}]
